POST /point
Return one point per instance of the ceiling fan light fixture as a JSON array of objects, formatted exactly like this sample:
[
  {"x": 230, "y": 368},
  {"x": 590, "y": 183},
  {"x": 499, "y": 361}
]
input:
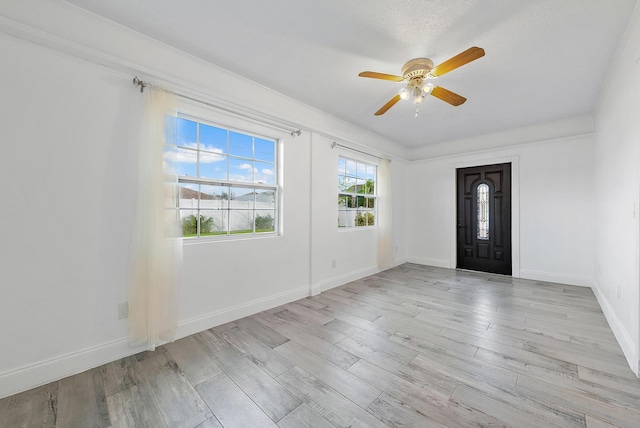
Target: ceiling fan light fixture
[
  {"x": 404, "y": 93},
  {"x": 418, "y": 97},
  {"x": 427, "y": 88}
]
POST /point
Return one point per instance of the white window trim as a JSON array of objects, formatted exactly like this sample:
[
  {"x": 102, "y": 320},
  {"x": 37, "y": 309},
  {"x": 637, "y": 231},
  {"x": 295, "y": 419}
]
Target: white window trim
[
  {"x": 197, "y": 113},
  {"x": 359, "y": 160}
]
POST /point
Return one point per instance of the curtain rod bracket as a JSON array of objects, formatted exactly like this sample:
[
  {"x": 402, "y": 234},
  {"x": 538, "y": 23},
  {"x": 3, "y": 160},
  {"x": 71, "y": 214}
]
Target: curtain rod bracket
[
  {"x": 296, "y": 133},
  {"x": 138, "y": 82}
]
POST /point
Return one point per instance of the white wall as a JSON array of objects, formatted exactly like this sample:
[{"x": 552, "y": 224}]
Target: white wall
[
  {"x": 617, "y": 178},
  {"x": 552, "y": 200},
  {"x": 67, "y": 126},
  {"x": 331, "y": 244}
]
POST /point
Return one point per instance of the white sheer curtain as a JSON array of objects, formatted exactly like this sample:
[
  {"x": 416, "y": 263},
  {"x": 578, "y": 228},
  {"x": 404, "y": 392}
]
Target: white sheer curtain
[
  {"x": 385, "y": 221},
  {"x": 156, "y": 244}
]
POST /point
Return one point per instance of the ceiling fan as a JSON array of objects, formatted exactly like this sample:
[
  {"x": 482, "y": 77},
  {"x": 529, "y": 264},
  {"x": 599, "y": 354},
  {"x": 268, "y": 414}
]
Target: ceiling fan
[{"x": 415, "y": 74}]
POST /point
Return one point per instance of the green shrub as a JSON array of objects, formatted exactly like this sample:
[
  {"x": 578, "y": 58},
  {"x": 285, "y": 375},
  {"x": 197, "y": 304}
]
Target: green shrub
[
  {"x": 190, "y": 225},
  {"x": 264, "y": 222},
  {"x": 364, "y": 219}
]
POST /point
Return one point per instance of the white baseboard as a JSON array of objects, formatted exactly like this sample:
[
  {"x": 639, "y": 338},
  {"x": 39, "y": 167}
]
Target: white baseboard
[
  {"x": 337, "y": 281},
  {"x": 580, "y": 281},
  {"x": 53, "y": 369},
  {"x": 622, "y": 335},
  {"x": 441, "y": 263},
  {"x": 204, "y": 322}
]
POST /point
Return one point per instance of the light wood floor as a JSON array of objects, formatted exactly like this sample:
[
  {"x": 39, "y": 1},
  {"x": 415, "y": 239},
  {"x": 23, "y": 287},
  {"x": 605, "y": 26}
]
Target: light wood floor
[{"x": 412, "y": 346}]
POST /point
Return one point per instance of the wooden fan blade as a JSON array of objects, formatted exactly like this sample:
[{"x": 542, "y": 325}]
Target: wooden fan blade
[
  {"x": 459, "y": 60},
  {"x": 374, "y": 75},
  {"x": 388, "y": 105},
  {"x": 447, "y": 96}
]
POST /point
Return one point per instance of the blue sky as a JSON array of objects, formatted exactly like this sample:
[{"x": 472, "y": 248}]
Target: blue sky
[
  {"x": 224, "y": 155},
  {"x": 351, "y": 172}
]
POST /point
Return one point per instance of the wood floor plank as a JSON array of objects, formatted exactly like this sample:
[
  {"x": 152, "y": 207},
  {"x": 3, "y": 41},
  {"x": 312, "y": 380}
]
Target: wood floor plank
[
  {"x": 510, "y": 415},
  {"x": 263, "y": 333},
  {"x": 557, "y": 396},
  {"x": 626, "y": 384},
  {"x": 135, "y": 407},
  {"x": 525, "y": 362},
  {"x": 420, "y": 376},
  {"x": 349, "y": 329},
  {"x": 37, "y": 407},
  {"x": 326, "y": 350},
  {"x": 355, "y": 321},
  {"x": 435, "y": 342},
  {"x": 304, "y": 417},
  {"x": 553, "y": 339},
  {"x": 597, "y": 423},
  {"x": 349, "y": 307},
  {"x": 269, "y": 395},
  {"x": 396, "y": 413},
  {"x": 232, "y": 407},
  {"x": 192, "y": 360},
  {"x": 329, "y": 404},
  {"x": 294, "y": 321},
  {"x": 481, "y": 338},
  {"x": 119, "y": 375},
  {"x": 465, "y": 369},
  {"x": 211, "y": 342},
  {"x": 210, "y": 423},
  {"x": 179, "y": 403},
  {"x": 82, "y": 402},
  {"x": 370, "y": 343},
  {"x": 308, "y": 303},
  {"x": 342, "y": 381},
  {"x": 614, "y": 365},
  {"x": 256, "y": 351},
  {"x": 425, "y": 399},
  {"x": 307, "y": 314}
]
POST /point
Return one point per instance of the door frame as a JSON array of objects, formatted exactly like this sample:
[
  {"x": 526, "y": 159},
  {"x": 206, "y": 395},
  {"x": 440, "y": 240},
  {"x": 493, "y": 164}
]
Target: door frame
[{"x": 515, "y": 207}]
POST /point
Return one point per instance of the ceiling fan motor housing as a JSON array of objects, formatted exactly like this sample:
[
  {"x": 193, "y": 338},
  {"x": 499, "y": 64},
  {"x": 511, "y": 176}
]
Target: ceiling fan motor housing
[{"x": 416, "y": 68}]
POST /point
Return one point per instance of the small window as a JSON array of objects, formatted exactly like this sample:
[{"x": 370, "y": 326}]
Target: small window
[
  {"x": 357, "y": 205},
  {"x": 483, "y": 211},
  {"x": 227, "y": 179}
]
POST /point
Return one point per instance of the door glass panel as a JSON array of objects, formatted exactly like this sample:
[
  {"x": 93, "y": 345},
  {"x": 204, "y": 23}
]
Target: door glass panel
[{"x": 483, "y": 211}]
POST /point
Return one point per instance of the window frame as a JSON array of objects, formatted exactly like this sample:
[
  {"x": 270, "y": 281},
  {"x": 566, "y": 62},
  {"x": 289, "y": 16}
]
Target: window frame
[
  {"x": 248, "y": 130},
  {"x": 354, "y": 194}
]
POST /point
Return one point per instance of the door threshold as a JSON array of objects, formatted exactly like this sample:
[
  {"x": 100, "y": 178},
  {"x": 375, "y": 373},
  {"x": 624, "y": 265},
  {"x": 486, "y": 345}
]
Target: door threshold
[{"x": 481, "y": 271}]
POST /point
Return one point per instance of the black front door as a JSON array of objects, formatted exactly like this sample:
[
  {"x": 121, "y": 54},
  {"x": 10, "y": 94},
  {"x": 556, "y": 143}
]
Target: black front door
[{"x": 484, "y": 218}]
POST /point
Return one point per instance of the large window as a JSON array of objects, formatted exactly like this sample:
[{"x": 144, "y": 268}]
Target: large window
[
  {"x": 227, "y": 179},
  {"x": 356, "y": 193}
]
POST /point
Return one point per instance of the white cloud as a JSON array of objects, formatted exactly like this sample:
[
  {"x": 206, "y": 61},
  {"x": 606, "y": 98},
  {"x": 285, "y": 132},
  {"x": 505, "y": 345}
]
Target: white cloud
[
  {"x": 211, "y": 157},
  {"x": 183, "y": 156},
  {"x": 267, "y": 171}
]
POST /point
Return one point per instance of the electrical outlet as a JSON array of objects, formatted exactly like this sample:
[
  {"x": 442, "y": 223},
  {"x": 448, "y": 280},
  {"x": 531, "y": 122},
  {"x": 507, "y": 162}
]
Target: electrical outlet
[
  {"x": 123, "y": 310},
  {"x": 333, "y": 264}
]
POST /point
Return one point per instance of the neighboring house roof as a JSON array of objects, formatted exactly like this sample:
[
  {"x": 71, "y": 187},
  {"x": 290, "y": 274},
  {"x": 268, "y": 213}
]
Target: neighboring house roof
[{"x": 186, "y": 193}]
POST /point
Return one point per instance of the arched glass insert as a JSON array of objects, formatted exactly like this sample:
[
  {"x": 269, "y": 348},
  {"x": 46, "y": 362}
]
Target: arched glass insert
[{"x": 483, "y": 211}]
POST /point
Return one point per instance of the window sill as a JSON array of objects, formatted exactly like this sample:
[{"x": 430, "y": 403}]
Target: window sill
[
  {"x": 229, "y": 238},
  {"x": 354, "y": 229}
]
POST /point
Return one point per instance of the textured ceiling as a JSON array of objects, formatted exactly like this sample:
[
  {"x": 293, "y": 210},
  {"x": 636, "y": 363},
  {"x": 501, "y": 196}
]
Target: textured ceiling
[{"x": 545, "y": 59}]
